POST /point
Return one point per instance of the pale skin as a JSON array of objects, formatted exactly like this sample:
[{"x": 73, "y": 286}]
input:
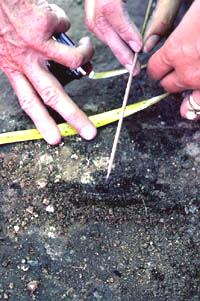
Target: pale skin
[
  {"x": 26, "y": 29},
  {"x": 110, "y": 22},
  {"x": 26, "y": 44},
  {"x": 177, "y": 64}
]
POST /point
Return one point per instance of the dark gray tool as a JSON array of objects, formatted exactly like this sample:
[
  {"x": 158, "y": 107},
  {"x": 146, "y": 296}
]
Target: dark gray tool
[{"x": 62, "y": 73}]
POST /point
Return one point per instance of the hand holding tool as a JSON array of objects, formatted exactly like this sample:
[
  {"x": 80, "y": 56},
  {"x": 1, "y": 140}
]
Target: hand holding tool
[
  {"x": 65, "y": 75},
  {"x": 62, "y": 73}
]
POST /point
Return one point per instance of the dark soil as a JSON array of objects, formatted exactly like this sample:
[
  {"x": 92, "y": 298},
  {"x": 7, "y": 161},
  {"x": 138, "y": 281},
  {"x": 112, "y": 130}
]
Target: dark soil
[{"x": 80, "y": 238}]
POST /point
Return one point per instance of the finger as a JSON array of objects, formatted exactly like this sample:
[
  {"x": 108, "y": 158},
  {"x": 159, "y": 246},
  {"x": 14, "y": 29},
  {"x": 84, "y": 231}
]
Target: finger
[
  {"x": 172, "y": 84},
  {"x": 90, "y": 8},
  {"x": 190, "y": 108},
  {"x": 117, "y": 16},
  {"x": 54, "y": 96},
  {"x": 63, "y": 24},
  {"x": 65, "y": 55},
  {"x": 121, "y": 51},
  {"x": 33, "y": 107},
  {"x": 104, "y": 31},
  {"x": 158, "y": 67},
  {"x": 161, "y": 21}
]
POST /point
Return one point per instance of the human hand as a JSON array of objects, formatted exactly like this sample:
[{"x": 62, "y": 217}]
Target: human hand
[
  {"x": 177, "y": 64},
  {"x": 161, "y": 21},
  {"x": 26, "y": 45},
  {"x": 110, "y": 22}
]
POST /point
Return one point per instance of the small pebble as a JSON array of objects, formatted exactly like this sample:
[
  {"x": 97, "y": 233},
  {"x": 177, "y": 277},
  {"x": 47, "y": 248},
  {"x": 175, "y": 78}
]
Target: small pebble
[
  {"x": 46, "y": 202},
  {"x": 33, "y": 286},
  {"x": 25, "y": 267},
  {"x": 11, "y": 285},
  {"x": 33, "y": 263},
  {"x": 46, "y": 159},
  {"x": 30, "y": 210},
  {"x": 50, "y": 209},
  {"x": 5, "y": 296},
  {"x": 16, "y": 228},
  {"x": 41, "y": 183},
  {"x": 193, "y": 209},
  {"x": 110, "y": 211},
  {"x": 96, "y": 295},
  {"x": 74, "y": 156}
]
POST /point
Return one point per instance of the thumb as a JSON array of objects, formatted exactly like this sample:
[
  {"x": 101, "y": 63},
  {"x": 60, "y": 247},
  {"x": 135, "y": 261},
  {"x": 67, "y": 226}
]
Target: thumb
[{"x": 160, "y": 23}]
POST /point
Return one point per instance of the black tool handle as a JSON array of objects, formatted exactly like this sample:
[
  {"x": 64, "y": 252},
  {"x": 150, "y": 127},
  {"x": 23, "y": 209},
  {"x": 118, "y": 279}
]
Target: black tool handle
[{"x": 64, "y": 39}]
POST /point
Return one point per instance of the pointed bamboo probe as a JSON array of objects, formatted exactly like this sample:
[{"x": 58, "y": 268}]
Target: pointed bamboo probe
[
  {"x": 126, "y": 96},
  {"x": 119, "y": 127}
]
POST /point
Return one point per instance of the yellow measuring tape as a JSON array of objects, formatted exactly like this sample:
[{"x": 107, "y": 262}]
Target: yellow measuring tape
[{"x": 98, "y": 120}]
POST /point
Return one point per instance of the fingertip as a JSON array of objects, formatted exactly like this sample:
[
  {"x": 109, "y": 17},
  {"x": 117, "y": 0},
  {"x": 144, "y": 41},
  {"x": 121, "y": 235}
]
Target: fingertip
[
  {"x": 86, "y": 48},
  {"x": 150, "y": 43},
  {"x": 85, "y": 40},
  {"x": 55, "y": 142},
  {"x": 136, "y": 46},
  {"x": 52, "y": 137},
  {"x": 88, "y": 132}
]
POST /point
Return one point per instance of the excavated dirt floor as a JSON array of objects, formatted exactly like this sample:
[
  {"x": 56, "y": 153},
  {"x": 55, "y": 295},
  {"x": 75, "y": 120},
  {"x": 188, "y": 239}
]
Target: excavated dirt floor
[{"x": 134, "y": 238}]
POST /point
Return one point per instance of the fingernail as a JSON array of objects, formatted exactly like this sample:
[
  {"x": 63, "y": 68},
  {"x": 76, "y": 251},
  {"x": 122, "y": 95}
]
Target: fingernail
[
  {"x": 52, "y": 138},
  {"x": 151, "y": 42},
  {"x": 190, "y": 115},
  {"x": 88, "y": 132},
  {"x": 135, "y": 46},
  {"x": 85, "y": 40}
]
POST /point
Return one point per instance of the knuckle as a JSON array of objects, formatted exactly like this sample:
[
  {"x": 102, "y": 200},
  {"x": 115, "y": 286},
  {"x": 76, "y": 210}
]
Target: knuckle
[
  {"x": 123, "y": 28},
  {"x": 125, "y": 58},
  {"x": 50, "y": 96},
  {"x": 26, "y": 103},
  {"x": 101, "y": 24},
  {"x": 171, "y": 50},
  {"x": 107, "y": 6},
  {"x": 186, "y": 79},
  {"x": 49, "y": 20}
]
